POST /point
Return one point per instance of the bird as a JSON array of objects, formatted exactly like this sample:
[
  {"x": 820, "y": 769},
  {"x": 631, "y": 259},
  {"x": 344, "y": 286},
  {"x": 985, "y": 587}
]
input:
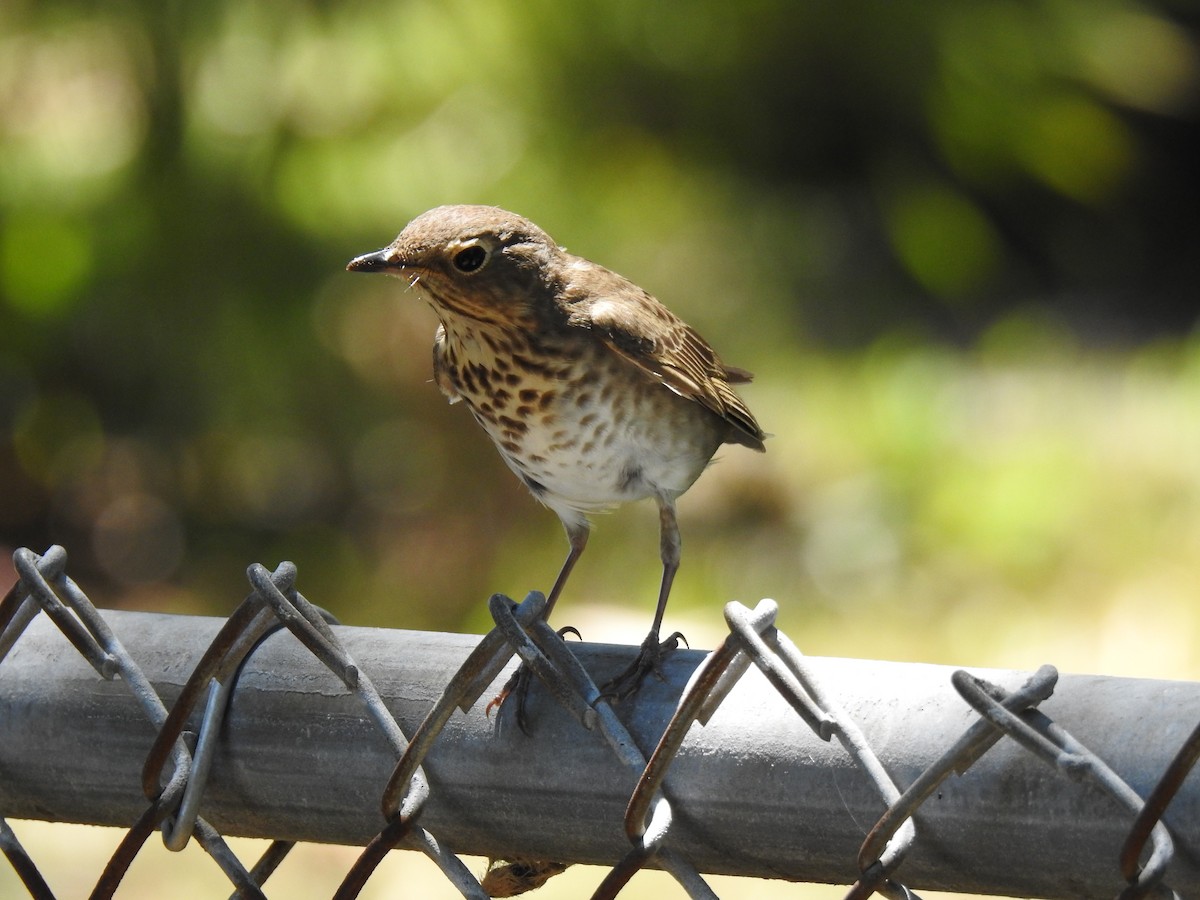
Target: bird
[{"x": 593, "y": 392}]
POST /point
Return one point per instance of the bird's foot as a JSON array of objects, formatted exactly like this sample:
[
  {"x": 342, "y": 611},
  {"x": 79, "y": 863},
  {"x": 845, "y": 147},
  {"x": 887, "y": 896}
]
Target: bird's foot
[
  {"x": 517, "y": 687},
  {"x": 649, "y": 659},
  {"x": 513, "y": 877}
]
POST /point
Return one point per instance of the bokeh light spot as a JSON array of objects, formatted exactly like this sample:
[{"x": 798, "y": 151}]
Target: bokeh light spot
[
  {"x": 44, "y": 263},
  {"x": 137, "y": 539},
  {"x": 942, "y": 239}
]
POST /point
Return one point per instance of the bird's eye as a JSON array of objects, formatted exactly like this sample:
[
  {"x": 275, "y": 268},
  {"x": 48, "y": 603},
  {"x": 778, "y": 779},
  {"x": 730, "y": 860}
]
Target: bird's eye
[{"x": 470, "y": 259}]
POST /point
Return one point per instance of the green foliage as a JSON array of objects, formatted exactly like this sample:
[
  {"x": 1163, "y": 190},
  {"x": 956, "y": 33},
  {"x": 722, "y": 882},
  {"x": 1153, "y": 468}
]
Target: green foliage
[{"x": 850, "y": 199}]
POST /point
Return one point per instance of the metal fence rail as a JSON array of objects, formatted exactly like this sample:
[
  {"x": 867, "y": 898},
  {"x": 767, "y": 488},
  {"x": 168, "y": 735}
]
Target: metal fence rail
[{"x": 750, "y": 760}]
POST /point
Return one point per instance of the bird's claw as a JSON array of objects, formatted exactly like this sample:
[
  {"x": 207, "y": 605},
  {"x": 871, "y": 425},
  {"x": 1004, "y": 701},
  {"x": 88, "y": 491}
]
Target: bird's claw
[
  {"x": 497, "y": 701},
  {"x": 518, "y": 684},
  {"x": 649, "y": 659}
]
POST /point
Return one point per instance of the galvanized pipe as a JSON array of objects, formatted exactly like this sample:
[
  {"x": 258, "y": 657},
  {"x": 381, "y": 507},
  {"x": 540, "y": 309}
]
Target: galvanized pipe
[{"x": 755, "y": 792}]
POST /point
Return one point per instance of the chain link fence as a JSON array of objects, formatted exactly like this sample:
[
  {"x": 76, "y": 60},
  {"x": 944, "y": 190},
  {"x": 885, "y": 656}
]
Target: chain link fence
[{"x": 749, "y": 760}]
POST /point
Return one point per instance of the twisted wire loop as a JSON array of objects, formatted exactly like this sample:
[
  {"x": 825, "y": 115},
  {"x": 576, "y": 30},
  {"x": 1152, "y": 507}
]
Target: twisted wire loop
[
  {"x": 753, "y": 639},
  {"x": 407, "y": 789},
  {"x": 30, "y": 594},
  {"x": 274, "y": 603},
  {"x": 73, "y": 613},
  {"x": 595, "y": 712},
  {"x": 648, "y": 813},
  {"x": 788, "y": 671},
  {"x": 175, "y": 800},
  {"x": 177, "y": 767},
  {"x": 873, "y": 855},
  {"x": 1053, "y": 744},
  {"x": 79, "y": 620},
  {"x": 521, "y": 630},
  {"x": 1150, "y": 816}
]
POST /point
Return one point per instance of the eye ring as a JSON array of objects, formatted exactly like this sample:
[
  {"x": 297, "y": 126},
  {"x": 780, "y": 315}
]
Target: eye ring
[{"x": 471, "y": 259}]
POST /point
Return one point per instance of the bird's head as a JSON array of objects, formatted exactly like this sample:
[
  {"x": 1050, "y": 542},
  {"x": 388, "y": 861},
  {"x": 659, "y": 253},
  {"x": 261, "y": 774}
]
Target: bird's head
[{"x": 476, "y": 261}]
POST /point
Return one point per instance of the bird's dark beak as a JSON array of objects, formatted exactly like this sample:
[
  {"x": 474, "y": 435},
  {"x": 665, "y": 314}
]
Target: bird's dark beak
[{"x": 380, "y": 261}]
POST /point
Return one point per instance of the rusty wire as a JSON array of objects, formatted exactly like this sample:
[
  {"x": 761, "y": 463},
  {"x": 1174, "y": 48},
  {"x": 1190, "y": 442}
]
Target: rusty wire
[
  {"x": 521, "y": 630},
  {"x": 1053, "y": 744},
  {"x": 178, "y": 764},
  {"x": 1148, "y": 820},
  {"x": 85, "y": 628},
  {"x": 966, "y": 751},
  {"x": 23, "y": 865}
]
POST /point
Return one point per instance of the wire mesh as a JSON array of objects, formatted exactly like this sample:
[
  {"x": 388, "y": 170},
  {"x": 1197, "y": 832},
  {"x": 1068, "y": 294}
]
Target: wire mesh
[{"x": 188, "y": 734}]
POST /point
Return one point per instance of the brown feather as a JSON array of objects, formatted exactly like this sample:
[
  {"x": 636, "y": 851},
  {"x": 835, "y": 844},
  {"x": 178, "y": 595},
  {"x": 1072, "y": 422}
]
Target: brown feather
[{"x": 641, "y": 330}]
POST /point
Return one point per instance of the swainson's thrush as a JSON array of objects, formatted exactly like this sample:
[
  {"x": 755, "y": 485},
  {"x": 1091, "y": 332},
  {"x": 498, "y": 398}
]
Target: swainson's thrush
[{"x": 593, "y": 392}]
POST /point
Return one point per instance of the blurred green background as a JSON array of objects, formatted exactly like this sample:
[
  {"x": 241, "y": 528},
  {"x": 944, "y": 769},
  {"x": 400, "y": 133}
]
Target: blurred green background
[{"x": 958, "y": 242}]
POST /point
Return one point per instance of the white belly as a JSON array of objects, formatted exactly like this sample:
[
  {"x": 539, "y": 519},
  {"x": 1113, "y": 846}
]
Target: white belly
[{"x": 587, "y": 449}]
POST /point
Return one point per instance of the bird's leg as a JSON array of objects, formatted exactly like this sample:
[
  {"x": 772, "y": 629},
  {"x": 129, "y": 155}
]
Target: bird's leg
[
  {"x": 669, "y": 544},
  {"x": 653, "y": 651},
  {"x": 577, "y": 536}
]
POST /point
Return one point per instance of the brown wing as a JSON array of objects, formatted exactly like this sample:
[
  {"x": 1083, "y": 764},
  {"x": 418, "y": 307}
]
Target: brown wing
[{"x": 657, "y": 341}]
